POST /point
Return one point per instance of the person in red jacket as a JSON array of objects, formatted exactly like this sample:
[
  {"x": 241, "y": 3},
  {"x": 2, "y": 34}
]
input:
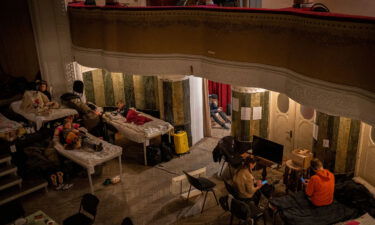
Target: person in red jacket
[{"x": 321, "y": 186}]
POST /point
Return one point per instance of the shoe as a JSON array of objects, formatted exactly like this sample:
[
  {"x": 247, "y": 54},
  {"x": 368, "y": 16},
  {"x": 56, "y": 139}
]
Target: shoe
[
  {"x": 67, "y": 186},
  {"x": 107, "y": 181},
  {"x": 226, "y": 127},
  {"x": 99, "y": 147},
  {"x": 60, "y": 187},
  {"x": 54, "y": 180},
  {"x": 60, "y": 177}
]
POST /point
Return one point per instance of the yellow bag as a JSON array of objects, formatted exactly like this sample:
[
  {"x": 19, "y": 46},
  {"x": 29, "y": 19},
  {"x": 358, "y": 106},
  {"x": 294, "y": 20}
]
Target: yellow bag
[{"x": 181, "y": 142}]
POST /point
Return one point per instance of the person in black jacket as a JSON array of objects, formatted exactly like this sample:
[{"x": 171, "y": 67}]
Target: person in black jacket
[{"x": 215, "y": 109}]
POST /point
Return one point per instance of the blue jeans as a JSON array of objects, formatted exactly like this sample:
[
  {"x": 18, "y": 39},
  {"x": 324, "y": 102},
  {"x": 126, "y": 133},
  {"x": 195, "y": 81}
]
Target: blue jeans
[{"x": 222, "y": 114}]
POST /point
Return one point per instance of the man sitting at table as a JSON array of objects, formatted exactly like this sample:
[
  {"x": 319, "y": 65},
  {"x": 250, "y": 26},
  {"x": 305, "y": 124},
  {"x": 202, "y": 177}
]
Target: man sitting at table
[{"x": 321, "y": 186}]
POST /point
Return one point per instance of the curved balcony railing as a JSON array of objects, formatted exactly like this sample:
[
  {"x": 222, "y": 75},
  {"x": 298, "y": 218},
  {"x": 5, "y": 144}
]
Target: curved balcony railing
[{"x": 331, "y": 51}]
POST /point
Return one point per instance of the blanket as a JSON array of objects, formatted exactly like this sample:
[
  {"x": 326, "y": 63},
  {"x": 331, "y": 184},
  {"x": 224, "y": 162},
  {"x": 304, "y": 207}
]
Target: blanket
[
  {"x": 9, "y": 129},
  {"x": 135, "y": 117},
  {"x": 39, "y": 120},
  {"x": 296, "y": 209},
  {"x": 38, "y": 103},
  {"x": 355, "y": 195},
  {"x": 138, "y": 133}
]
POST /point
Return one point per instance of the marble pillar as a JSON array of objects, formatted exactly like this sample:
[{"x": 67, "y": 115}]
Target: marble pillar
[
  {"x": 176, "y": 103},
  {"x": 340, "y": 135},
  {"x": 243, "y": 124}
]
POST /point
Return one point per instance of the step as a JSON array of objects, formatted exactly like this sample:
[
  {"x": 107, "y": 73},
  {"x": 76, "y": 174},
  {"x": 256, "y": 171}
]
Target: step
[
  {"x": 27, "y": 188},
  {"x": 8, "y": 169},
  {"x": 5, "y": 158},
  {"x": 9, "y": 181}
]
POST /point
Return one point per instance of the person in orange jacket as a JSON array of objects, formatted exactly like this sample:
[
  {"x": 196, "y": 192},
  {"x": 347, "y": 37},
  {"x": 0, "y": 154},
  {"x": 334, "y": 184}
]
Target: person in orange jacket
[{"x": 320, "y": 188}]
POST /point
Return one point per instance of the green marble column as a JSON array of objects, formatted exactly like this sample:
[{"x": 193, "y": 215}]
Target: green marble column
[
  {"x": 176, "y": 102},
  {"x": 249, "y": 98},
  {"x": 343, "y": 135}
]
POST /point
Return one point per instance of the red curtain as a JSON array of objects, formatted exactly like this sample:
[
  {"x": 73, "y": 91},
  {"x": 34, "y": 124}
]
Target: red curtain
[{"x": 223, "y": 91}]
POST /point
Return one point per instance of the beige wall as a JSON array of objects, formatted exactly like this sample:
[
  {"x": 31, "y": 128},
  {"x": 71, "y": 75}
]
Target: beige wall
[
  {"x": 276, "y": 4},
  {"x": 18, "y": 56},
  {"x": 355, "y": 7},
  {"x": 134, "y": 2}
]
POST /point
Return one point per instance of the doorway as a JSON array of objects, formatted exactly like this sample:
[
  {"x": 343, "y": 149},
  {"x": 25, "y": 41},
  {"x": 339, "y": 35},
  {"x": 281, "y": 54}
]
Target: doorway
[
  {"x": 366, "y": 154},
  {"x": 291, "y": 124}
]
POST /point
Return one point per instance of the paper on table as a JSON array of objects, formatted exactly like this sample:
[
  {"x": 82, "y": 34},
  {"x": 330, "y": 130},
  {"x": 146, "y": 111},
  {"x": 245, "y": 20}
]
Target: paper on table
[
  {"x": 245, "y": 113},
  {"x": 325, "y": 143},
  {"x": 315, "y": 131},
  {"x": 257, "y": 113},
  {"x": 235, "y": 104}
]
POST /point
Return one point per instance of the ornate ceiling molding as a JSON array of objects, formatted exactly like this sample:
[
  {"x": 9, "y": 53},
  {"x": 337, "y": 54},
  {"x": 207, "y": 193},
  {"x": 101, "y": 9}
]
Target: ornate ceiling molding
[
  {"x": 324, "y": 96},
  {"x": 329, "y": 47}
]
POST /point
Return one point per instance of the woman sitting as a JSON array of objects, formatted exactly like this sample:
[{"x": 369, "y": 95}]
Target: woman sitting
[{"x": 244, "y": 181}]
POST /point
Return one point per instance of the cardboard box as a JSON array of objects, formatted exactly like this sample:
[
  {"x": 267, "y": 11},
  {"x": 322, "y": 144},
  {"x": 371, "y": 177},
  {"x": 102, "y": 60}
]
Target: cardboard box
[{"x": 302, "y": 157}]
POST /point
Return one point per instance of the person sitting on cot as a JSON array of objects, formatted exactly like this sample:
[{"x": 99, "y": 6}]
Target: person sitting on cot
[{"x": 320, "y": 187}]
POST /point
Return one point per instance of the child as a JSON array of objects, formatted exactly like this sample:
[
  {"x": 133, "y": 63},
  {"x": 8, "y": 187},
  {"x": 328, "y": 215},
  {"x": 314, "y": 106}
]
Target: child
[
  {"x": 43, "y": 87},
  {"x": 121, "y": 108},
  {"x": 70, "y": 136}
]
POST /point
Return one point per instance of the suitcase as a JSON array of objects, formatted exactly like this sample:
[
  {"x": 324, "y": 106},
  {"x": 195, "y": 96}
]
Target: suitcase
[{"x": 181, "y": 142}]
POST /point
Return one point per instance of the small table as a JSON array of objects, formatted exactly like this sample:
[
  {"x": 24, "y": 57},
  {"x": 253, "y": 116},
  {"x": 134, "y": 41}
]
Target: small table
[
  {"x": 88, "y": 158},
  {"x": 292, "y": 176},
  {"x": 39, "y": 218}
]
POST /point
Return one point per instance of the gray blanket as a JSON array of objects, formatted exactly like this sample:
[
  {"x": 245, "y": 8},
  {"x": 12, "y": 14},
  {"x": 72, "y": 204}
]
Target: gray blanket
[{"x": 296, "y": 209}]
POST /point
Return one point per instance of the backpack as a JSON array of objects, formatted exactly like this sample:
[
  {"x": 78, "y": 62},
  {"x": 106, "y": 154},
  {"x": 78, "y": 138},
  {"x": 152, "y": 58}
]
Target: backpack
[
  {"x": 153, "y": 155},
  {"x": 68, "y": 96},
  {"x": 166, "y": 152}
]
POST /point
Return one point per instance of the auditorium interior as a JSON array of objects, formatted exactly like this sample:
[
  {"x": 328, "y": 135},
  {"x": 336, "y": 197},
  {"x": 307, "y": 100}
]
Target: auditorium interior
[{"x": 147, "y": 112}]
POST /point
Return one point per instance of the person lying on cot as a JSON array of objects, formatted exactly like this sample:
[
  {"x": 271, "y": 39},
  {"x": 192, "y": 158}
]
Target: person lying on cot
[{"x": 122, "y": 108}]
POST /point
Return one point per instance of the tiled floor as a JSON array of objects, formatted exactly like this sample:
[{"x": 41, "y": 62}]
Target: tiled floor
[{"x": 144, "y": 193}]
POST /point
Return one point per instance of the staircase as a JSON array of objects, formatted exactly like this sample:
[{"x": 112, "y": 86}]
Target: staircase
[{"x": 11, "y": 185}]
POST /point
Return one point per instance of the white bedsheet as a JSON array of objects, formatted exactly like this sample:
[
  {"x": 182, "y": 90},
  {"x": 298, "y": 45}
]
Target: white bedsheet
[
  {"x": 365, "y": 219},
  {"x": 138, "y": 133},
  {"x": 7, "y": 125},
  {"x": 89, "y": 158},
  {"x": 39, "y": 120}
]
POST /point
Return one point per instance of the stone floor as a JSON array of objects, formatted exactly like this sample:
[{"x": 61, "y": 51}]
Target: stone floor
[{"x": 144, "y": 193}]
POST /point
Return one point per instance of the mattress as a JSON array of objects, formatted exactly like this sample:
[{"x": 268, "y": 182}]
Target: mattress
[
  {"x": 38, "y": 119},
  {"x": 138, "y": 133},
  {"x": 9, "y": 129},
  {"x": 88, "y": 157},
  {"x": 296, "y": 209}
]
